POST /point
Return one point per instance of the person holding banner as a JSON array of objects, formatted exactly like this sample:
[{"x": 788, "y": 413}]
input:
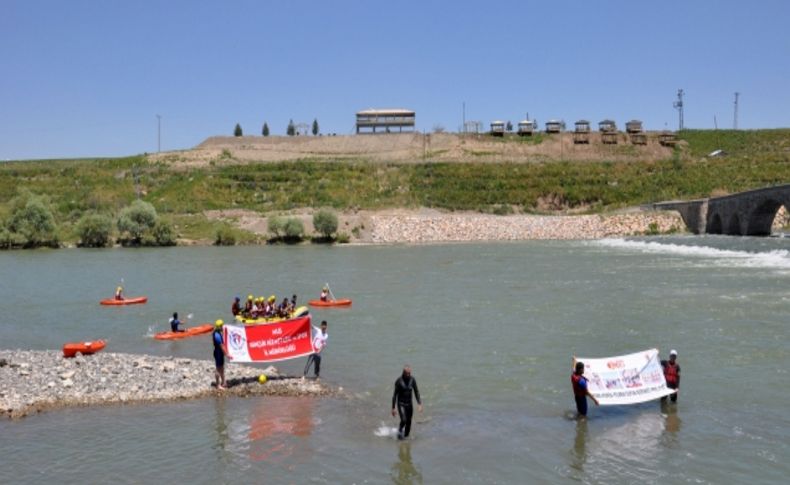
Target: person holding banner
[
  {"x": 672, "y": 374},
  {"x": 319, "y": 342},
  {"x": 580, "y": 390},
  {"x": 219, "y": 355}
]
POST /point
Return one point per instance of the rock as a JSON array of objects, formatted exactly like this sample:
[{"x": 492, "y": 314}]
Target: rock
[
  {"x": 68, "y": 383},
  {"x": 3, "y": 362},
  {"x": 67, "y": 375}
]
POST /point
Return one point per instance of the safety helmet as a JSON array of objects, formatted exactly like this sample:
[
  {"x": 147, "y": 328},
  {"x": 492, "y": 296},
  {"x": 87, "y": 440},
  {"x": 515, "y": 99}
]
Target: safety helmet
[
  {"x": 272, "y": 298},
  {"x": 219, "y": 323},
  {"x": 249, "y": 297}
]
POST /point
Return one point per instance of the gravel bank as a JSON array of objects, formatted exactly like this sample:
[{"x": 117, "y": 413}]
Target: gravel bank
[
  {"x": 33, "y": 381},
  {"x": 419, "y": 228}
]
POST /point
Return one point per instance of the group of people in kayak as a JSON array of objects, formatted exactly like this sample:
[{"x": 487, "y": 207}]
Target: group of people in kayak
[{"x": 262, "y": 307}]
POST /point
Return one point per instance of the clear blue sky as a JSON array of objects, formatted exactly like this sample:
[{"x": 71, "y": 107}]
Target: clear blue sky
[{"x": 87, "y": 78}]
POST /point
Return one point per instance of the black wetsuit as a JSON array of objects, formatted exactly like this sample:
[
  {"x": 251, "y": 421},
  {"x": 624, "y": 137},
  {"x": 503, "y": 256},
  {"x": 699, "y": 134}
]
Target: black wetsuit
[{"x": 402, "y": 397}]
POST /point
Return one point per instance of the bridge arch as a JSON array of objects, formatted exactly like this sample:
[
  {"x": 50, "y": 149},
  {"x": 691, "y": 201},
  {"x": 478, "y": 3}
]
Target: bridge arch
[
  {"x": 715, "y": 224},
  {"x": 762, "y": 217},
  {"x": 734, "y": 226}
]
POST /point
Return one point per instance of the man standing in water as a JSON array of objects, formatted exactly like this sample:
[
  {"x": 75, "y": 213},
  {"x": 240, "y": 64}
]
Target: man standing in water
[
  {"x": 672, "y": 375},
  {"x": 401, "y": 400},
  {"x": 580, "y": 391}
]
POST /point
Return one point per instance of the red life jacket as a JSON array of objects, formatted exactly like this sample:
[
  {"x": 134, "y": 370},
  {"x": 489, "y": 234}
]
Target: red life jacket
[
  {"x": 576, "y": 383},
  {"x": 671, "y": 374}
]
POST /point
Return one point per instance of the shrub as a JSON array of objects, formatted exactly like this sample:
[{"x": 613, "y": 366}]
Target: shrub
[
  {"x": 325, "y": 222},
  {"x": 294, "y": 229},
  {"x": 32, "y": 223},
  {"x": 224, "y": 236},
  {"x": 94, "y": 231},
  {"x": 5, "y": 237},
  {"x": 343, "y": 238},
  {"x": 276, "y": 226},
  {"x": 502, "y": 209},
  {"x": 137, "y": 220},
  {"x": 163, "y": 234}
]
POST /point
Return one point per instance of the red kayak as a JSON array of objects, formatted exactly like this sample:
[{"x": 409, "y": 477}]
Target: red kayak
[
  {"x": 188, "y": 332},
  {"x": 126, "y": 301},
  {"x": 70, "y": 349},
  {"x": 342, "y": 302}
]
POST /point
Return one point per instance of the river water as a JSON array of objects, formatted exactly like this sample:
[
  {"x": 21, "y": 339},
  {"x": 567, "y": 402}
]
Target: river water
[{"x": 489, "y": 329}]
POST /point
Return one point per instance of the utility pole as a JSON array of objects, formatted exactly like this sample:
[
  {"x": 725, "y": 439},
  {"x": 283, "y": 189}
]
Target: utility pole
[
  {"x": 735, "y": 115},
  {"x": 679, "y": 106},
  {"x": 158, "y": 133},
  {"x": 463, "y": 116}
]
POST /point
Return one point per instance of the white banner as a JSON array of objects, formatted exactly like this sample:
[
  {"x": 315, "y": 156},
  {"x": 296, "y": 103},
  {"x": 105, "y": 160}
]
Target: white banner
[{"x": 625, "y": 379}]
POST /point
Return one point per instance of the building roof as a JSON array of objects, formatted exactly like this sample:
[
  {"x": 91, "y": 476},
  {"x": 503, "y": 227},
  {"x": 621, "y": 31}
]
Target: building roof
[
  {"x": 497, "y": 122},
  {"x": 607, "y": 122},
  {"x": 526, "y": 122},
  {"x": 582, "y": 122},
  {"x": 394, "y": 111}
]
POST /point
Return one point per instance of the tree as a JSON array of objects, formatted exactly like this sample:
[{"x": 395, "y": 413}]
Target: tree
[
  {"x": 163, "y": 234},
  {"x": 315, "y": 127},
  {"x": 294, "y": 229},
  {"x": 291, "y": 131},
  {"x": 237, "y": 131},
  {"x": 509, "y": 126},
  {"x": 32, "y": 223},
  {"x": 94, "y": 231},
  {"x": 137, "y": 220},
  {"x": 265, "y": 131},
  {"x": 325, "y": 222},
  {"x": 275, "y": 225}
]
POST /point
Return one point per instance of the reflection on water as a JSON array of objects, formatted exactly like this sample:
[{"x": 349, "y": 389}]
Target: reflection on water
[
  {"x": 273, "y": 426},
  {"x": 672, "y": 424},
  {"x": 403, "y": 470},
  {"x": 579, "y": 451}
]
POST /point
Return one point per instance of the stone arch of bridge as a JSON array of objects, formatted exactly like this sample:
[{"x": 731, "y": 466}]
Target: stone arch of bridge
[
  {"x": 715, "y": 224},
  {"x": 762, "y": 217},
  {"x": 734, "y": 225}
]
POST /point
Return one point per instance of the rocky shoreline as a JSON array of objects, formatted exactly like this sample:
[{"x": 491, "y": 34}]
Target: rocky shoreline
[
  {"x": 32, "y": 381},
  {"x": 433, "y": 228}
]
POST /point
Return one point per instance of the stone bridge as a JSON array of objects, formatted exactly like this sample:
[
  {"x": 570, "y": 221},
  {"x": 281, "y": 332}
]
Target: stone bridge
[{"x": 748, "y": 213}]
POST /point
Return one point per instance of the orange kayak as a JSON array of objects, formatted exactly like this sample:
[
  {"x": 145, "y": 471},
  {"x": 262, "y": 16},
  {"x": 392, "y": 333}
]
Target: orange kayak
[
  {"x": 70, "y": 349},
  {"x": 126, "y": 301},
  {"x": 188, "y": 332},
  {"x": 341, "y": 302}
]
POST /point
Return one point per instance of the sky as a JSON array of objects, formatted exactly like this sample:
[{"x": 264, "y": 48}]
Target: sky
[{"x": 88, "y": 78}]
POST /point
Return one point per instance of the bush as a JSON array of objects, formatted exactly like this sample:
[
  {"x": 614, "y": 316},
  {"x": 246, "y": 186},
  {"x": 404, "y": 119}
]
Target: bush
[
  {"x": 5, "y": 237},
  {"x": 32, "y": 223},
  {"x": 343, "y": 238},
  {"x": 94, "y": 231},
  {"x": 325, "y": 222},
  {"x": 276, "y": 226},
  {"x": 136, "y": 221},
  {"x": 163, "y": 234},
  {"x": 294, "y": 229},
  {"x": 225, "y": 236}
]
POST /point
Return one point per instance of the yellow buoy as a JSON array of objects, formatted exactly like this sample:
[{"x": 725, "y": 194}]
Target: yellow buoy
[{"x": 262, "y": 378}]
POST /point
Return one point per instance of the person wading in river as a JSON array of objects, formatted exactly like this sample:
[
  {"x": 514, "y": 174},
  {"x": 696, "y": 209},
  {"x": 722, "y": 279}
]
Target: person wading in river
[
  {"x": 405, "y": 386},
  {"x": 672, "y": 375},
  {"x": 580, "y": 390}
]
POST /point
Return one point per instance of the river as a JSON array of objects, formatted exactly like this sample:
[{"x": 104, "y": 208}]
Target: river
[{"x": 489, "y": 329}]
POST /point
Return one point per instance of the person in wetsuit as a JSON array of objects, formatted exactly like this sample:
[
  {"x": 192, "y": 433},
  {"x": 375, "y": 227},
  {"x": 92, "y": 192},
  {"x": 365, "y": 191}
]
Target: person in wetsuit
[
  {"x": 219, "y": 355},
  {"x": 405, "y": 386}
]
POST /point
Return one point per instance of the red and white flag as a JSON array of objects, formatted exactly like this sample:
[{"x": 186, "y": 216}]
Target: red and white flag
[{"x": 269, "y": 342}]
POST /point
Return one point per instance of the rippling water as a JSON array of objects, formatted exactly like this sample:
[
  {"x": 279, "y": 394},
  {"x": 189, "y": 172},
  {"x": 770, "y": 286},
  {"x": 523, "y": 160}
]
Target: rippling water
[{"x": 490, "y": 331}]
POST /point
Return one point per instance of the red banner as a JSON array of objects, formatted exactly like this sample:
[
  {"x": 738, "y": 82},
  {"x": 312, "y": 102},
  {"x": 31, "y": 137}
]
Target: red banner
[{"x": 269, "y": 342}]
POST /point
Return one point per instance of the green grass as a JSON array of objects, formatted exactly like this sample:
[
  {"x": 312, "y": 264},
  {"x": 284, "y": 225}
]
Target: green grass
[{"x": 755, "y": 159}]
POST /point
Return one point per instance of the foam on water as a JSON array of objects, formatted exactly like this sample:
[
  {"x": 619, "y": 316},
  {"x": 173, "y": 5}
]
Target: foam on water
[{"x": 776, "y": 259}]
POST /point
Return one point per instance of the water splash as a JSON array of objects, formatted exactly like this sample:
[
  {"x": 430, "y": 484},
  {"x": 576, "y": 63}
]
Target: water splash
[
  {"x": 151, "y": 331},
  {"x": 775, "y": 259},
  {"x": 385, "y": 431}
]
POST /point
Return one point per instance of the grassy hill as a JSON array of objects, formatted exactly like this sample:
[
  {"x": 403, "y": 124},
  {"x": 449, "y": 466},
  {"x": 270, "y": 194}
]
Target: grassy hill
[{"x": 181, "y": 193}]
